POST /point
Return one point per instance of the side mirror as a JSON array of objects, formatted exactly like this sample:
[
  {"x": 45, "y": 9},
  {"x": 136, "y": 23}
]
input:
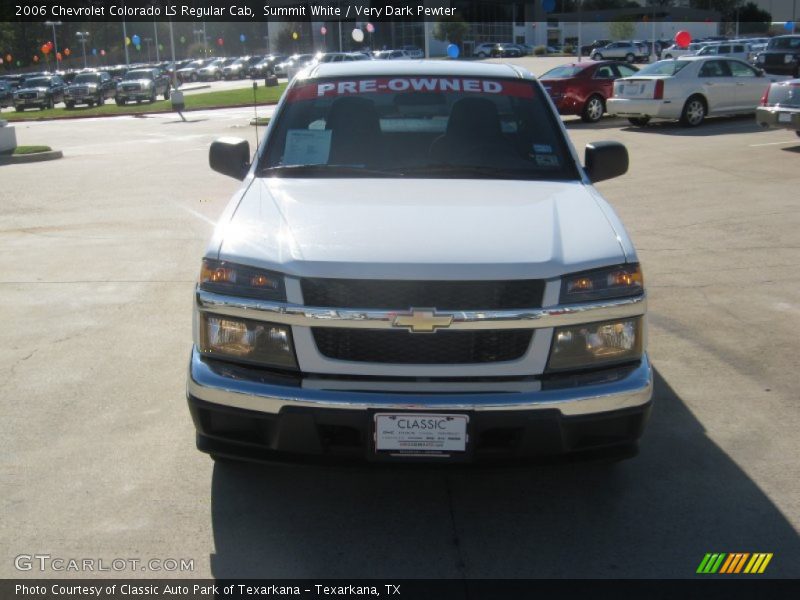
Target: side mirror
[
  {"x": 230, "y": 156},
  {"x": 605, "y": 160}
]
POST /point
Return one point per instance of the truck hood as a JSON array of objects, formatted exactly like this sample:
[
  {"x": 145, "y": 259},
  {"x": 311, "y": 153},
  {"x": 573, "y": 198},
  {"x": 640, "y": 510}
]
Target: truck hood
[{"x": 420, "y": 228}]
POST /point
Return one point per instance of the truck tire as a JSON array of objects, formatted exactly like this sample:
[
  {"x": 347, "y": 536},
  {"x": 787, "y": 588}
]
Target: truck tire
[
  {"x": 166, "y": 93},
  {"x": 69, "y": 105}
]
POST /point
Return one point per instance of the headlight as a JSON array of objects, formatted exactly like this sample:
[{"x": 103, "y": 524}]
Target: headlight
[
  {"x": 787, "y": 58},
  {"x": 600, "y": 284},
  {"x": 596, "y": 344},
  {"x": 247, "y": 341},
  {"x": 760, "y": 58},
  {"x": 147, "y": 84},
  {"x": 240, "y": 280}
]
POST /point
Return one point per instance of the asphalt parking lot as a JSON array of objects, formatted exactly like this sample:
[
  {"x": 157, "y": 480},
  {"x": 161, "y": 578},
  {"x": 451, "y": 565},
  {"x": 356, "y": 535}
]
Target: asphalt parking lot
[{"x": 97, "y": 458}]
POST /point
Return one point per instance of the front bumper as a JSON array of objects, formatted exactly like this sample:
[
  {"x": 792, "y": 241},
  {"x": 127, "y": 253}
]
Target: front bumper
[
  {"x": 633, "y": 107},
  {"x": 246, "y": 413},
  {"x": 31, "y": 103},
  {"x": 776, "y": 117},
  {"x": 135, "y": 95}
]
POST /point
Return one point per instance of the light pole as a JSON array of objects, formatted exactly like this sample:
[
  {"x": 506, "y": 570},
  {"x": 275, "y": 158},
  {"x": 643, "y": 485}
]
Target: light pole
[
  {"x": 148, "y": 41},
  {"x": 54, "y": 24},
  {"x": 82, "y": 38}
]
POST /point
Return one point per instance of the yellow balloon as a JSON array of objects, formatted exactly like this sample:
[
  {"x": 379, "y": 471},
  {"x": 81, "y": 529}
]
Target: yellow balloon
[
  {"x": 294, "y": 35},
  {"x": 127, "y": 41}
]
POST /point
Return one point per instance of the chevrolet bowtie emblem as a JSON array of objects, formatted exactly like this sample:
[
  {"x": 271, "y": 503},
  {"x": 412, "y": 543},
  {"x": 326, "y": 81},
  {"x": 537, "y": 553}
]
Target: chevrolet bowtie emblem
[{"x": 422, "y": 320}]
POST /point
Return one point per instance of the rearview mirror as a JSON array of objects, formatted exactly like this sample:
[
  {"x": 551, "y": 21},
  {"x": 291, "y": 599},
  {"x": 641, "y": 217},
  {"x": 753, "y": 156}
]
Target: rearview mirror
[
  {"x": 605, "y": 160},
  {"x": 230, "y": 156}
]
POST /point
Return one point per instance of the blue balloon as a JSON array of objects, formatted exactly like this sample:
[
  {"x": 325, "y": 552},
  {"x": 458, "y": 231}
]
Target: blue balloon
[
  {"x": 136, "y": 40},
  {"x": 788, "y": 26},
  {"x": 94, "y": 51},
  {"x": 548, "y": 5},
  {"x": 242, "y": 38},
  {"x": 452, "y": 51}
]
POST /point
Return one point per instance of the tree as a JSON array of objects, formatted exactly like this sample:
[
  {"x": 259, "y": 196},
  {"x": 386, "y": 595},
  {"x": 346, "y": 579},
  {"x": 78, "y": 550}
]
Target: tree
[
  {"x": 450, "y": 29},
  {"x": 621, "y": 30},
  {"x": 726, "y": 8},
  {"x": 753, "y": 20}
]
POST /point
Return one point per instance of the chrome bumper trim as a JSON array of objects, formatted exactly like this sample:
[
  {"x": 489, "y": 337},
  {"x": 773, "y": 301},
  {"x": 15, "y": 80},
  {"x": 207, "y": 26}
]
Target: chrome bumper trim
[
  {"x": 630, "y": 391},
  {"x": 310, "y": 316}
]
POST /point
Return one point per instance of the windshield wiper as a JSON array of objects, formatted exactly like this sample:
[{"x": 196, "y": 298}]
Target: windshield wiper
[{"x": 301, "y": 170}]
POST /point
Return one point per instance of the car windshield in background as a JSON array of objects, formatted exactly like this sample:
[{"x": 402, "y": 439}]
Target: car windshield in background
[
  {"x": 562, "y": 72},
  {"x": 38, "y": 82},
  {"x": 139, "y": 75},
  {"x": 784, "y": 43},
  {"x": 784, "y": 94},
  {"x": 663, "y": 67},
  {"x": 87, "y": 78},
  {"x": 434, "y": 127}
]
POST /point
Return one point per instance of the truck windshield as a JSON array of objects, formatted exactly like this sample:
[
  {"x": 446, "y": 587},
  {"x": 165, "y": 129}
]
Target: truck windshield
[
  {"x": 417, "y": 126},
  {"x": 784, "y": 43},
  {"x": 87, "y": 78},
  {"x": 139, "y": 75}
]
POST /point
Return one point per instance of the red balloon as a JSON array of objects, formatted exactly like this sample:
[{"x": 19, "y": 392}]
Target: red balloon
[
  {"x": 58, "y": 56},
  {"x": 67, "y": 51},
  {"x": 50, "y": 45},
  {"x": 45, "y": 49},
  {"x": 35, "y": 58},
  {"x": 220, "y": 41},
  {"x": 683, "y": 38}
]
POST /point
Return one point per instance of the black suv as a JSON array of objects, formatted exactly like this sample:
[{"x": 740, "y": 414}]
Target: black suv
[
  {"x": 90, "y": 88},
  {"x": 782, "y": 56},
  {"x": 39, "y": 92}
]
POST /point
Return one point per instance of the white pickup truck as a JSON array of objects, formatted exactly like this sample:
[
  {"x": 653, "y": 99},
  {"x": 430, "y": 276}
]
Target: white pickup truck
[{"x": 417, "y": 267}]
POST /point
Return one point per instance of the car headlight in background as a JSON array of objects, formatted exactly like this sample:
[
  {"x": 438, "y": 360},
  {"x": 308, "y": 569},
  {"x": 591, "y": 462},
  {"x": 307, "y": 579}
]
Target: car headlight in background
[
  {"x": 600, "y": 284},
  {"x": 596, "y": 344},
  {"x": 245, "y": 340},
  {"x": 788, "y": 58},
  {"x": 241, "y": 280}
]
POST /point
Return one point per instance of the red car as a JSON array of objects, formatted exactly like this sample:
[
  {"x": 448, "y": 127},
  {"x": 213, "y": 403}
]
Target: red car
[{"x": 582, "y": 88}]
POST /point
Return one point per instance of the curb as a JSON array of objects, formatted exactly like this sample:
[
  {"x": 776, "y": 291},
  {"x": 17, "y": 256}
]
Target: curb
[{"x": 31, "y": 158}]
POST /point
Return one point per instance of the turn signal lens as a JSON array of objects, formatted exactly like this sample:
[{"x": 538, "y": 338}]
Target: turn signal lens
[
  {"x": 240, "y": 280},
  {"x": 600, "y": 284}
]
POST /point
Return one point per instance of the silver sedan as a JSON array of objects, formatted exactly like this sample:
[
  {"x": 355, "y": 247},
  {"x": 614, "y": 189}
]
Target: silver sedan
[{"x": 688, "y": 89}]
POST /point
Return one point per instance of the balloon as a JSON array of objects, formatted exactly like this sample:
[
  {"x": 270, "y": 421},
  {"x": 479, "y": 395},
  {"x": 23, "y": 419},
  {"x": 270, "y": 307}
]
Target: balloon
[
  {"x": 683, "y": 38},
  {"x": 127, "y": 41},
  {"x": 295, "y": 35},
  {"x": 8, "y": 58},
  {"x": 161, "y": 47},
  {"x": 242, "y": 38},
  {"x": 138, "y": 47},
  {"x": 183, "y": 39},
  {"x": 370, "y": 28},
  {"x": 94, "y": 51},
  {"x": 45, "y": 49},
  {"x": 35, "y": 58},
  {"x": 452, "y": 51},
  {"x": 102, "y": 52},
  {"x": 323, "y": 30},
  {"x": 1, "y": 61},
  {"x": 50, "y": 45},
  {"x": 67, "y": 51},
  {"x": 788, "y": 26},
  {"x": 58, "y": 56},
  {"x": 358, "y": 35},
  {"x": 136, "y": 40},
  {"x": 548, "y": 5},
  {"x": 19, "y": 63},
  {"x": 220, "y": 41}
]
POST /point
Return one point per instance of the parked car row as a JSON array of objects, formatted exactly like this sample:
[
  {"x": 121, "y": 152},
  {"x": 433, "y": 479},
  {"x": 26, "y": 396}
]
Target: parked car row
[
  {"x": 90, "y": 87},
  {"x": 686, "y": 89}
]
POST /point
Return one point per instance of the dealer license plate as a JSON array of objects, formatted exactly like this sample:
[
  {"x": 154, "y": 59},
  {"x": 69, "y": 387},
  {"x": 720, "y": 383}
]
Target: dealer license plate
[
  {"x": 423, "y": 433},
  {"x": 784, "y": 118}
]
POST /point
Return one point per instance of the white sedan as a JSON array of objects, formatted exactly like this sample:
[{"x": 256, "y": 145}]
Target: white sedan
[{"x": 688, "y": 89}]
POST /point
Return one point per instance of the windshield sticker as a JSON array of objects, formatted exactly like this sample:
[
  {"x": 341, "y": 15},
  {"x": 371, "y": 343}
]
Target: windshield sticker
[
  {"x": 547, "y": 160},
  {"x": 307, "y": 147},
  {"x": 324, "y": 89},
  {"x": 542, "y": 149}
]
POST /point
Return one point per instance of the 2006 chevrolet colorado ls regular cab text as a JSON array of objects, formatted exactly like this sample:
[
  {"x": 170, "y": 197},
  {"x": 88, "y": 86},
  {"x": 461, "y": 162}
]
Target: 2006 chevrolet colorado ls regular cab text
[{"x": 418, "y": 268}]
